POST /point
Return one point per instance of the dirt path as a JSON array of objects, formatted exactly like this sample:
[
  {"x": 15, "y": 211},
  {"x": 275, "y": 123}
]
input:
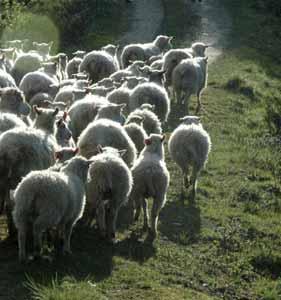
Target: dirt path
[
  {"x": 146, "y": 20},
  {"x": 215, "y": 25}
]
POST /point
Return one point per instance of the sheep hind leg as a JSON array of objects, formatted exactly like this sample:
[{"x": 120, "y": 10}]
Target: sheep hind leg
[
  {"x": 38, "y": 228},
  {"x": 156, "y": 207},
  {"x": 193, "y": 181},
  {"x": 199, "y": 105},
  {"x": 22, "y": 243},
  {"x": 186, "y": 102},
  {"x": 67, "y": 230},
  {"x": 101, "y": 218},
  {"x": 12, "y": 231},
  {"x": 145, "y": 215}
]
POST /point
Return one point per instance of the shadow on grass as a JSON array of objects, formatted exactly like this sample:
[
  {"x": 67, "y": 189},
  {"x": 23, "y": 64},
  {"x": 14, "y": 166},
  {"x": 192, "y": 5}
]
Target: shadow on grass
[
  {"x": 180, "y": 223},
  {"x": 91, "y": 257}
]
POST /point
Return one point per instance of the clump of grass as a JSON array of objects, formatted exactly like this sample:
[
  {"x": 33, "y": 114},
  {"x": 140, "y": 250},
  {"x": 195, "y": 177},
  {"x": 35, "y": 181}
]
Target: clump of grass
[{"x": 238, "y": 85}]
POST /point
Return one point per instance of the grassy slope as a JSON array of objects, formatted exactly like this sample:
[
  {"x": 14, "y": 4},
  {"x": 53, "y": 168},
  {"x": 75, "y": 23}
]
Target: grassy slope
[{"x": 226, "y": 246}]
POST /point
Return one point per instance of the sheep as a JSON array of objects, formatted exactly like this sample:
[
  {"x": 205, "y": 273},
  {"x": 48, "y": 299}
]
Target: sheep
[
  {"x": 110, "y": 183},
  {"x": 131, "y": 70},
  {"x": 45, "y": 119},
  {"x": 151, "y": 122},
  {"x": 63, "y": 134},
  {"x": 79, "y": 53},
  {"x": 6, "y": 80},
  {"x": 43, "y": 49},
  {"x": 131, "y": 82},
  {"x": 7, "y": 59},
  {"x": 99, "y": 90},
  {"x": 21, "y": 151},
  {"x": 98, "y": 64},
  {"x": 67, "y": 95},
  {"x": 41, "y": 100},
  {"x": 106, "y": 82},
  {"x": 61, "y": 59},
  {"x": 154, "y": 58},
  {"x": 38, "y": 82},
  {"x": 9, "y": 121},
  {"x": 158, "y": 64},
  {"x": 82, "y": 112},
  {"x": 153, "y": 94},
  {"x": 72, "y": 66},
  {"x": 112, "y": 112},
  {"x": 45, "y": 199},
  {"x": 136, "y": 132},
  {"x": 3, "y": 63},
  {"x": 120, "y": 95},
  {"x": 25, "y": 63},
  {"x": 197, "y": 49},
  {"x": 12, "y": 101},
  {"x": 189, "y": 146},
  {"x": 106, "y": 133},
  {"x": 151, "y": 179},
  {"x": 51, "y": 69},
  {"x": 171, "y": 59},
  {"x": 190, "y": 77},
  {"x": 145, "y": 51},
  {"x": 112, "y": 50}
]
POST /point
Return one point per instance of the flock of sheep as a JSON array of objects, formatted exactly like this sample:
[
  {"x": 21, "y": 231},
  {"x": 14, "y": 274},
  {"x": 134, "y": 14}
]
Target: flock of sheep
[{"x": 81, "y": 138}]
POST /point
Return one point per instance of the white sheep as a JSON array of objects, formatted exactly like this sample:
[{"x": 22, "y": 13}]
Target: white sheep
[
  {"x": 143, "y": 52},
  {"x": 25, "y": 63},
  {"x": 12, "y": 101},
  {"x": 21, "y": 151},
  {"x": 82, "y": 112},
  {"x": 40, "y": 100},
  {"x": 43, "y": 49},
  {"x": 150, "y": 121},
  {"x": 113, "y": 51},
  {"x": 135, "y": 131},
  {"x": 112, "y": 112},
  {"x": 153, "y": 94},
  {"x": 119, "y": 96},
  {"x": 45, "y": 119},
  {"x": 197, "y": 49},
  {"x": 189, "y": 146},
  {"x": 45, "y": 199},
  {"x": 98, "y": 64},
  {"x": 106, "y": 132},
  {"x": 110, "y": 183},
  {"x": 9, "y": 121},
  {"x": 38, "y": 82},
  {"x": 190, "y": 77},
  {"x": 151, "y": 179},
  {"x": 131, "y": 70},
  {"x": 6, "y": 80},
  {"x": 171, "y": 59},
  {"x": 63, "y": 134},
  {"x": 72, "y": 66}
]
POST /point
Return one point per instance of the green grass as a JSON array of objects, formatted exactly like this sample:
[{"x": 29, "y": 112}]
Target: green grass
[{"x": 226, "y": 246}]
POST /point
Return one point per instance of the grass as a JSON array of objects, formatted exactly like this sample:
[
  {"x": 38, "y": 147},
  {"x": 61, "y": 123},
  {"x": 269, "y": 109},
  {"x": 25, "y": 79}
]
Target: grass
[{"x": 226, "y": 246}]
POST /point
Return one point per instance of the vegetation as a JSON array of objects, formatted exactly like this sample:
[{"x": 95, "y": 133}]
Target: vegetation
[{"x": 227, "y": 245}]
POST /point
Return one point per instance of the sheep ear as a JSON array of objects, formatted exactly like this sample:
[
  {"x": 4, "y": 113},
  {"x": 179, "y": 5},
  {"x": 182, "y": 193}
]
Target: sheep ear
[
  {"x": 147, "y": 141},
  {"x": 58, "y": 155},
  {"x": 122, "y": 152},
  {"x": 56, "y": 111},
  {"x": 153, "y": 107},
  {"x": 163, "y": 138},
  {"x": 75, "y": 150},
  {"x": 171, "y": 38},
  {"x": 99, "y": 147},
  {"x": 205, "y": 59},
  {"x": 59, "y": 122},
  {"x": 37, "y": 110}
]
